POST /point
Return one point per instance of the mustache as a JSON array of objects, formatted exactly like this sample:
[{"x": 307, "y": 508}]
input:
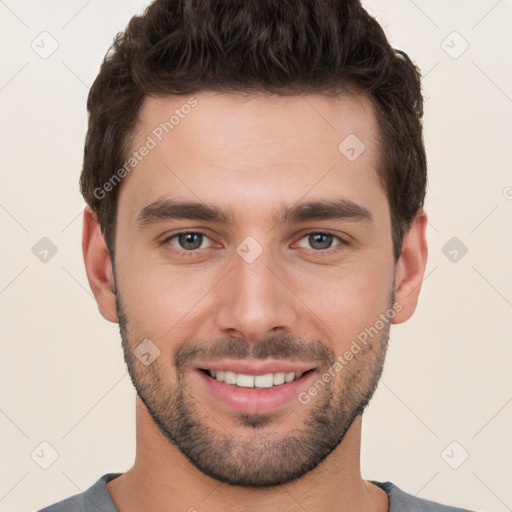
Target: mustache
[{"x": 276, "y": 347}]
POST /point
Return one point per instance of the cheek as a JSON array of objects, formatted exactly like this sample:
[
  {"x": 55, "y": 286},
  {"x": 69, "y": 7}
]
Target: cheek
[
  {"x": 350, "y": 299},
  {"x": 157, "y": 297}
]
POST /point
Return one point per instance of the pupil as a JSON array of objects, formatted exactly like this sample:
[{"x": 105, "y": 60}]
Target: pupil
[
  {"x": 190, "y": 240},
  {"x": 320, "y": 240}
]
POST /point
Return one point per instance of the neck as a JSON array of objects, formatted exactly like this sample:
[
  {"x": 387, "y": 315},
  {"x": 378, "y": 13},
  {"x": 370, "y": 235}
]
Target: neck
[{"x": 162, "y": 478}]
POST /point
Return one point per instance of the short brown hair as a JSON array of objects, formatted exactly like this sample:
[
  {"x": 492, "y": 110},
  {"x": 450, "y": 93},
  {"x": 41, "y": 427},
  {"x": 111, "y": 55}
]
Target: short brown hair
[{"x": 283, "y": 47}]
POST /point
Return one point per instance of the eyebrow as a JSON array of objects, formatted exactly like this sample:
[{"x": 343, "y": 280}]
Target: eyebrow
[
  {"x": 168, "y": 209},
  {"x": 341, "y": 209}
]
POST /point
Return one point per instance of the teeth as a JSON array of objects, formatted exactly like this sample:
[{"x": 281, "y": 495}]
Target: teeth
[
  {"x": 279, "y": 378},
  {"x": 264, "y": 381},
  {"x": 245, "y": 381},
  {"x": 259, "y": 381},
  {"x": 230, "y": 377}
]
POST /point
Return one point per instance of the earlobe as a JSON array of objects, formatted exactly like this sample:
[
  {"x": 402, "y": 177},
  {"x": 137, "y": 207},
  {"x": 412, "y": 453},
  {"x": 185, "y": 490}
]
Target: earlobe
[
  {"x": 98, "y": 266},
  {"x": 410, "y": 268}
]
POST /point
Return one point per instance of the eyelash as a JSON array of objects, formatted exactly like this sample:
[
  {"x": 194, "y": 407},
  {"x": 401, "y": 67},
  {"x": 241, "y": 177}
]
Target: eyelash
[{"x": 315, "y": 253}]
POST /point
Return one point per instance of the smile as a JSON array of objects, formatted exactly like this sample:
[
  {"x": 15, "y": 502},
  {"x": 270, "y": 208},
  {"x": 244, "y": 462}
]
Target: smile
[{"x": 254, "y": 387}]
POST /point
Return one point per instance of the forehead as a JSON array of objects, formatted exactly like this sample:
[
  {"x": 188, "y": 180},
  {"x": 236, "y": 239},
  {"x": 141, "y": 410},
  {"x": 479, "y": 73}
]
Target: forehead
[
  {"x": 253, "y": 148},
  {"x": 225, "y": 121}
]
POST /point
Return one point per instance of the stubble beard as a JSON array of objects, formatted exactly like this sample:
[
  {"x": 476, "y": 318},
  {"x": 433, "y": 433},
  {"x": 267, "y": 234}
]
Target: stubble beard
[{"x": 252, "y": 454}]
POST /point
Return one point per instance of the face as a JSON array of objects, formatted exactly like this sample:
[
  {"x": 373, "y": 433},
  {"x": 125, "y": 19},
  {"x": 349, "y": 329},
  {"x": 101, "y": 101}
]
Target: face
[{"x": 255, "y": 277}]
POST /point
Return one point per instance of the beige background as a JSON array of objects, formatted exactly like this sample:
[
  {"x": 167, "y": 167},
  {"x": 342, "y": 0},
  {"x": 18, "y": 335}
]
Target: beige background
[{"x": 447, "y": 376}]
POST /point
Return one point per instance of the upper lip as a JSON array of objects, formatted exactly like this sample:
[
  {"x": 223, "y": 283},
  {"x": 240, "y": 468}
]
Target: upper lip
[{"x": 256, "y": 367}]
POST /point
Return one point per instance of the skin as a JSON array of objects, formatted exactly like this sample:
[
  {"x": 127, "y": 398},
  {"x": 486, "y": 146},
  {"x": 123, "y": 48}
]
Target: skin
[{"x": 255, "y": 155}]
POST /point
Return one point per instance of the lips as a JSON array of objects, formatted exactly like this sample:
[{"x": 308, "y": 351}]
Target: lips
[{"x": 255, "y": 387}]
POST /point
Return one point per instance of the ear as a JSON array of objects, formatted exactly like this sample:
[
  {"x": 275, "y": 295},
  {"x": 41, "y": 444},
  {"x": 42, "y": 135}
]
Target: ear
[
  {"x": 98, "y": 266},
  {"x": 410, "y": 268}
]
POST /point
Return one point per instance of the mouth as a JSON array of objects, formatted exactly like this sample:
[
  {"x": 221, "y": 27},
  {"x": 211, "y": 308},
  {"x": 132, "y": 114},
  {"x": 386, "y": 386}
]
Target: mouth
[{"x": 254, "y": 388}]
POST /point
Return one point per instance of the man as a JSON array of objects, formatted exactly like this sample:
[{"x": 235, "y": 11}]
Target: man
[{"x": 255, "y": 176}]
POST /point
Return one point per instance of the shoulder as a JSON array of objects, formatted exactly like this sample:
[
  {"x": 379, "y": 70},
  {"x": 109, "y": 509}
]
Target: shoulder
[
  {"x": 94, "y": 499},
  {"x": 402, "y": 501}
]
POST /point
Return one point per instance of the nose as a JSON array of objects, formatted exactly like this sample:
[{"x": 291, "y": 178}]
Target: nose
[{"x": 256, "y": 301}]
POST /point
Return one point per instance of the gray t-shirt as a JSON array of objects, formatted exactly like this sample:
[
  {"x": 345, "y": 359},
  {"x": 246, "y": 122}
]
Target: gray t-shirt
[{"x": 97, "y": 499}]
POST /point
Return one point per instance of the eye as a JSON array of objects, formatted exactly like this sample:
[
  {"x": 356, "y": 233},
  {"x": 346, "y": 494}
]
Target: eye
[
  {"x": 188, "y": 241},
  {"x": 320, "y": 241}
]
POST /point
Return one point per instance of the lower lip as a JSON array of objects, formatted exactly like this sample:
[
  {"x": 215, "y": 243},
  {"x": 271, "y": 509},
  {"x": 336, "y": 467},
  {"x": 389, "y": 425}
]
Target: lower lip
[{"x": 256, "y": 400}]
